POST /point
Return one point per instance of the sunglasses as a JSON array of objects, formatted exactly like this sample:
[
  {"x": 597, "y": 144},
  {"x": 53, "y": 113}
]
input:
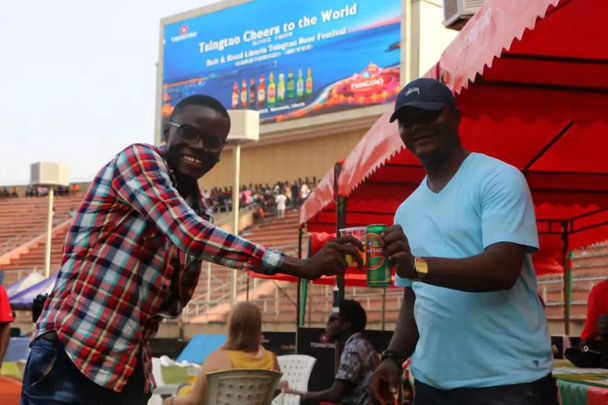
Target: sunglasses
[{"x": 191, "y": 136}]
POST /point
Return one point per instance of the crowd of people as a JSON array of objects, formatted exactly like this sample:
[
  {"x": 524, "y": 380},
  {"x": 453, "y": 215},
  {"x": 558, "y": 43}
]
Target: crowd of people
[
  {"x": 41, "y": 191},
  {"x": 267, "y": 200},
  {"x": 4, "y": 193}
]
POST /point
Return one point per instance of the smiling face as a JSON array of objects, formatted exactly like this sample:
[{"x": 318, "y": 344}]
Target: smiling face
[
  {"x": 430, "y": 135},
  {"x": 195, "y": 139}
]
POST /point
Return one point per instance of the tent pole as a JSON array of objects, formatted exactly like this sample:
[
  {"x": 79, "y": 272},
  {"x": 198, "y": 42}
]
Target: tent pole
[
  {"x": 548, "y": 146},
  {"x": 384, "y": 309},
  {"x": 340, "y": 223},
  {"x": 299, "y": 305},
  {"x": 567, "y": 279}
]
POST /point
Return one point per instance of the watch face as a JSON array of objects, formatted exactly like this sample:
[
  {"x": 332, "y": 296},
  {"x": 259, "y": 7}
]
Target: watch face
[{"x": 421, "y": 268}]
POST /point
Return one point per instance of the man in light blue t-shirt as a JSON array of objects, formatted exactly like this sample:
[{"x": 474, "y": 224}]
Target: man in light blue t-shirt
[{"x": 471, "y": 318}]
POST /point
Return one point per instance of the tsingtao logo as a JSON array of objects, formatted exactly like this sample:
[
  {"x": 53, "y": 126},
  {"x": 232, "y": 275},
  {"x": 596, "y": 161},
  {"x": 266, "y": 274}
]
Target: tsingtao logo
[{"x": 184, "y": 33}]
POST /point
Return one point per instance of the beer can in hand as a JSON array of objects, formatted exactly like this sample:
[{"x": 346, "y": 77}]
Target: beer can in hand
[
  {"x": 359, "y": 233},
  {"x": 378, "y": 267}
]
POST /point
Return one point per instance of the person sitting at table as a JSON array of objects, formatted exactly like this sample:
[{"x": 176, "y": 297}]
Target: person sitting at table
[
  {"x": 596, "y": 324},
  {"x": 242, "y": 350},
  {"x": 358, "y": 360}
]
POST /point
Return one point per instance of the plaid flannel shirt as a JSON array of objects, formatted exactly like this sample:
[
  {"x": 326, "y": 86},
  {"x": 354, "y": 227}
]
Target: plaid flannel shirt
[{"x": 132, "y": 256}]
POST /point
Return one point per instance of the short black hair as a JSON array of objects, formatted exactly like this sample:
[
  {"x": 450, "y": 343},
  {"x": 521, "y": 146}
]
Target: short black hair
[
  {"x": 351, "y": 311},
  {"x": 201, "y": 100}
]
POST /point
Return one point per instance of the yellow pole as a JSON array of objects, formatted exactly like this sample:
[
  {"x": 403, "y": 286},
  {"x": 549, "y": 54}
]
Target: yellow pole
[
  {"x": 235, "y": 209},
  {"x": 49, "y": 230}
]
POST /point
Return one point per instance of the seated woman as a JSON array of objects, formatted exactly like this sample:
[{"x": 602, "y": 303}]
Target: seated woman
[{"x": 243, "y": 349}]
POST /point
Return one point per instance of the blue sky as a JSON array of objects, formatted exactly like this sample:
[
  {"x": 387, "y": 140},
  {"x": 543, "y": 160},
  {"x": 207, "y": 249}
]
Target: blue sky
[{"x": 77, "y": 81}]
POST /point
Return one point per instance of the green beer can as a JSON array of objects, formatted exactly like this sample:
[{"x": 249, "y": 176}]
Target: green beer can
[{"x": 378, "y": 268}]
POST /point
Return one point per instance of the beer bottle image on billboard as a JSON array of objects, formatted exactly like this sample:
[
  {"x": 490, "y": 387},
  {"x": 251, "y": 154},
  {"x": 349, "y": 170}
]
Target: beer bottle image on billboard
[
  {"x": 272, "y": 90},
  {"x": 308, "y": 82},
  {"x": 281, "y": 88},
  {"x": 244, "y": 92},
  {"x": 235, "y": 95},
  {"x": 291, "y": 86},
  {"x": 299, "y": 86},
  {"x": 253, "y": 94},
  {"x": 261, "y": 92}
]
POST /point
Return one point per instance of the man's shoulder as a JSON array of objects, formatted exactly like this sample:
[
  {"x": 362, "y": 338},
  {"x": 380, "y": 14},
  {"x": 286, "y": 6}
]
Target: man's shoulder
[
  {"x": 140, "y": 149},
  {"x": 484, "y": 165},
  {"x": 358, "y": 343},
  {"x": 139, "y": 154}
]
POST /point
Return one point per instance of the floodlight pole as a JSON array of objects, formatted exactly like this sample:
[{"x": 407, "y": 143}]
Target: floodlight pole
[{"x": 49, "y": 231}]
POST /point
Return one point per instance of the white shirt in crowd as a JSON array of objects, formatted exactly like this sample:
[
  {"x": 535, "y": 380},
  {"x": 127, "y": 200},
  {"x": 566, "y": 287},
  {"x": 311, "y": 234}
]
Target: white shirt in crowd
[{"x": 281, "y": 200}]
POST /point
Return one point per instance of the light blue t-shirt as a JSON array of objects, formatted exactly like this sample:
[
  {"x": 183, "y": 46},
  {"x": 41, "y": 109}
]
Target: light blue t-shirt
[{"x": 476, "y": 339}]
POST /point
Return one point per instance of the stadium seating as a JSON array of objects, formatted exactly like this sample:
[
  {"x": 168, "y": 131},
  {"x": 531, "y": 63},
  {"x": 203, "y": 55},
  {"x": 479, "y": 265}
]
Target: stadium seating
[{"x": 22, "y": 219}]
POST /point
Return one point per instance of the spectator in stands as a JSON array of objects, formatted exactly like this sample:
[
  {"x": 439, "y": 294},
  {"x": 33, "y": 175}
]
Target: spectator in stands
[
  {"x": 4, "y": 193},
  {"x": 357, "y": 361},
  {"x": 31, "y": 191},
  {"x": 596, "y": 323},
  {"x": 304, "y": 192},
  {"x": 287, "y": 192},
  {"x": 14, "y": 193},
  {"x": 295, "y": 193},
  {"x": 243, "y": 350},
  {"x": 6, "y": 317},
  {"x": 74, "y": 189},
  {"x": 281, "y": 201},
  {"x": 133, "y": 256},
  {"x": 42, "y": 191},
  {"x": 62, "y": 191}
]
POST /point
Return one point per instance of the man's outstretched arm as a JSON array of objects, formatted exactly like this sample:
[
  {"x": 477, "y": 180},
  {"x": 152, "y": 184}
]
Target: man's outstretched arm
[{"x": 142, "y": 180}]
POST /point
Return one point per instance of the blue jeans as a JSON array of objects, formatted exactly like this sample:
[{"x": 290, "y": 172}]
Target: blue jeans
[
  {"x": 541, "y": 392},
  {"x": 51, "y": 378}
]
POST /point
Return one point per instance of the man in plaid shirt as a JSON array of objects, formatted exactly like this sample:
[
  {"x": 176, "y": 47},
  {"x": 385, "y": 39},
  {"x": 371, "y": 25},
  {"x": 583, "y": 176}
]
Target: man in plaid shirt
[{"x": 132, "y": 257}]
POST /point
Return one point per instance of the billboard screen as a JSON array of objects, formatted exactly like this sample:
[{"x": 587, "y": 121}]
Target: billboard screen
[{"x": 286, "y": 59}]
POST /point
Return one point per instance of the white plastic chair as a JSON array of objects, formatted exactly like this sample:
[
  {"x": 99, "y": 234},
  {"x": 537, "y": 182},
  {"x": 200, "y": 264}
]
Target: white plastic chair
[
  {"x": 241, "y": 387},
  {"x": 161, "y": 388},
  {"x": 296, "y": 369}
]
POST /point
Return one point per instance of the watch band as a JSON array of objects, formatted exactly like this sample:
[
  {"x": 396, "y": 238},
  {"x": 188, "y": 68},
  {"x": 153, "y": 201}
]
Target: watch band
[
  {"x": 393, "y": 355},
  {"x": 421, "y": 267}
]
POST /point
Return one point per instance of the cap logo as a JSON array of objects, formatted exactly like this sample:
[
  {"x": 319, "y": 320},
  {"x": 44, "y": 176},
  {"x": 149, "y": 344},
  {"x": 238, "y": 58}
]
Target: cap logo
[{"x": 412, "y": 90}]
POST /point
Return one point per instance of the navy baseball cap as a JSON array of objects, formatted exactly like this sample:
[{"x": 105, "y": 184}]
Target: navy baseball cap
[{"x": 424, "y": 93}]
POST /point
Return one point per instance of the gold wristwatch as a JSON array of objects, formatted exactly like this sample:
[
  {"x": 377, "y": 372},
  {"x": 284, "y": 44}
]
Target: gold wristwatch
[{"x": 421, "y": 267}]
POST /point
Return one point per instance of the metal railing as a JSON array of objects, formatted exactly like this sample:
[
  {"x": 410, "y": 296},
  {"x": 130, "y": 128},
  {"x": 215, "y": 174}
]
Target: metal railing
[{"x": 203, "y": 304}]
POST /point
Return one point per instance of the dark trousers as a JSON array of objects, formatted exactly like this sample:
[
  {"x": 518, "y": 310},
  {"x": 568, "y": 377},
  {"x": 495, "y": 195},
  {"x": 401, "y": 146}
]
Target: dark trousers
[
  {"x": 541, "y": 392},
  {"x": 51, "y": 378}
]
